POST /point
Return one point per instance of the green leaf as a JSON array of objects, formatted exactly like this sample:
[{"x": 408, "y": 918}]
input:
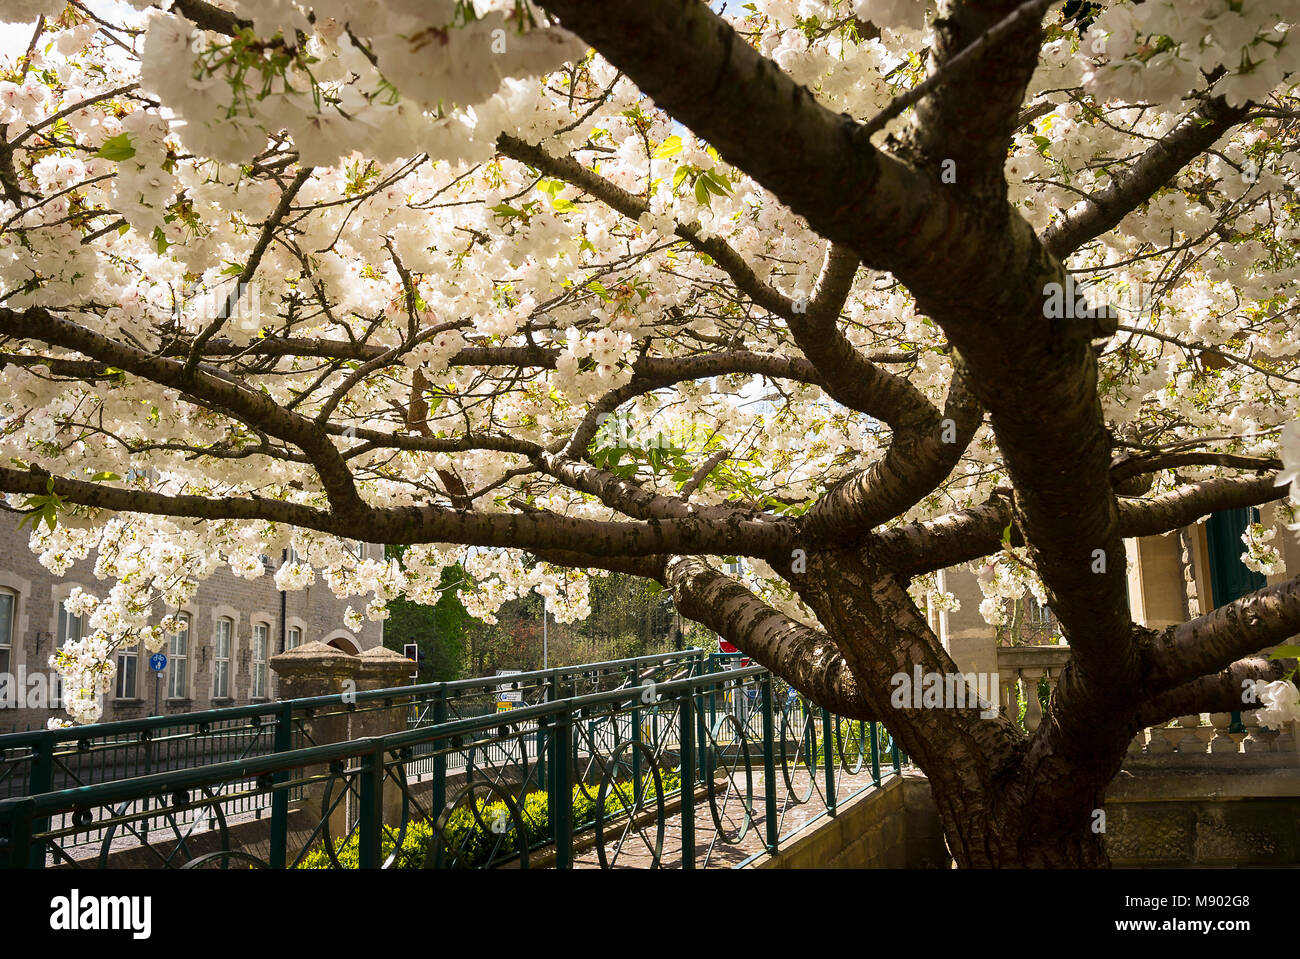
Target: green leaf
[
  {"x": 105, "y": 475},
  {"x": 680, "y": 174},
  {"x": 116, "y": 148},
  {"x": 1285, "y": 652},
  {"x": 1006, "y": 535},
  {"x": 702, "y": 192},
  {"x": 715, "y": 183},
  {"x": 670, "y": 147}
]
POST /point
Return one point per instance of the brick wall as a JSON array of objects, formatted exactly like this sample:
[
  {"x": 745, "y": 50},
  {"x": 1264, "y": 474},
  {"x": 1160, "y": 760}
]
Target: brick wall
[{"x": 315, "y": 611}]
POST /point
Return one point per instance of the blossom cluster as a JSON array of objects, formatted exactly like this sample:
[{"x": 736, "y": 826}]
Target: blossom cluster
[{"x": 412, "y": 236}]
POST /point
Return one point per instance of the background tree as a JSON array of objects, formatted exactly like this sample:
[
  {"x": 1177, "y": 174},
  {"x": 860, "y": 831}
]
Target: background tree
[
  {"x": 439, "y": 630},
  {"x": 656, "y": 288}
]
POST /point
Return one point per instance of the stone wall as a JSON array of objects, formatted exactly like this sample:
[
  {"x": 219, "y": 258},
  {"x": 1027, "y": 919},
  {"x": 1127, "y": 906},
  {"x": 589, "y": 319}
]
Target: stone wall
[
  {"x": 1170, "y": 816},
  {"x": 315, "y": 611},
  {"x": 893, "y": 827}
]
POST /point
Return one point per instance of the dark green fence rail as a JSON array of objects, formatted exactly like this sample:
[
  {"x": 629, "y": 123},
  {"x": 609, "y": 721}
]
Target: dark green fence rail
[{"x": 592, "y": 767}]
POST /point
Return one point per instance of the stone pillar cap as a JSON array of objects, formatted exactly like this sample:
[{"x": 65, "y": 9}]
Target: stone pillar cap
[
  {"x": 314, "y": 656},
  {"x": 380, "y": 661}
]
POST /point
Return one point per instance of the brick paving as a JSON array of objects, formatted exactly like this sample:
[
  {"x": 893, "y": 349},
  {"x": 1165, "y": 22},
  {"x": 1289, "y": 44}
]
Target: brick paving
[{"x": 712, "y": 850}]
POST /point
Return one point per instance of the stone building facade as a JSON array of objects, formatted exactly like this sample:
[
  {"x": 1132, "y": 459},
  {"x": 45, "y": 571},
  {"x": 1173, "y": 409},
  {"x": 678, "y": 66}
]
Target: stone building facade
[{"x": 236, "y": 626}]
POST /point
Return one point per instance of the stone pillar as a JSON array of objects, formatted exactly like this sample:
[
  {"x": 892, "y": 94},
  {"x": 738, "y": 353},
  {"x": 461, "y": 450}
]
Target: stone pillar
[
  {"x": 314, "y": 669},
  {"x": 383, "y": 668}
]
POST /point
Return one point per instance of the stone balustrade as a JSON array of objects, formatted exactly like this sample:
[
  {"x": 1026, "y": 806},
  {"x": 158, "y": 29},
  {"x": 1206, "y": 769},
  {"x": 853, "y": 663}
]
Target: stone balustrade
[{"x": 1020, "y": 668}]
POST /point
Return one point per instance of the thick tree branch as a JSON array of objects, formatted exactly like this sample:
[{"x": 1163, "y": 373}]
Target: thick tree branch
[
  {"x": 916, "y": 548},
  {"x": 985, "y": 52},
  {"x": 1132, "y": 187},
  {"x": 433, "y": 524},
  {"x": 920, "y": 455},
  {"x": 1222, "y": 692},
  {"x": 695, "y": 65},
  {"x": 1212, "y": 642},
  {"x": 206, "y": 387},
  {"x": 805, "y": 657}
]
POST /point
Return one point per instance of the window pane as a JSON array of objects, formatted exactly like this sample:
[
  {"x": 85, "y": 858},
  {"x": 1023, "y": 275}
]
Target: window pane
[
  {"x": 6, "y": 621},
  {"x": 177, "y": 665},
  {"x": 69, "y": 626},
  {"x": 126, "y": 664}
]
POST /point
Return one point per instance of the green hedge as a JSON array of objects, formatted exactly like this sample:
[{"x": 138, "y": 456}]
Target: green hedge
[{"x": 465, "y": 834}]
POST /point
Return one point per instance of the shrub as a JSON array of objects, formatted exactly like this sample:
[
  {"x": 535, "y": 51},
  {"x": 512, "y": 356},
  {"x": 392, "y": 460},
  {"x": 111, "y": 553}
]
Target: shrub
[{"x": 474, "y": 844}]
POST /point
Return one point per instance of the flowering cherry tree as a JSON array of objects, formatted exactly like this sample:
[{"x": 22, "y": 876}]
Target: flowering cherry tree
[{"x": 854, "y": 290}]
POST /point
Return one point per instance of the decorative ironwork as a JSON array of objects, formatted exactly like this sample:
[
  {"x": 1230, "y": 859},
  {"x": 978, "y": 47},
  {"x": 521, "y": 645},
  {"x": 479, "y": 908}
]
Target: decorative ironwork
[
  {"x": 588, "y": 759},
  {"x": 631, "y": 776},
  {"x": 731, "y": 806}
]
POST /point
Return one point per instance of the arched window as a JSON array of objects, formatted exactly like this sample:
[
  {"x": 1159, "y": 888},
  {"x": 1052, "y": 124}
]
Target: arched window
[
  {"x": 221, "y": 658},
  {"x": 293, "y": 637}
]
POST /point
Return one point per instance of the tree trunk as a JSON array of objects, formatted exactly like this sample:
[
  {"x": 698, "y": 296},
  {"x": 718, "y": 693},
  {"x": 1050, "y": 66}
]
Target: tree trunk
[{"x": 1004, "y": 799}]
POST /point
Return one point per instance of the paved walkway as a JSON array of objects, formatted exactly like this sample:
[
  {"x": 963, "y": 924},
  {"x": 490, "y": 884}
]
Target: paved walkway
[{"x": 714, "y": 848}]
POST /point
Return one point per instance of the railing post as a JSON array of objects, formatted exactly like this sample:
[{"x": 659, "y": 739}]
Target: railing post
[
  {"x": 439, "y": 796},
  {"x": 370, "y": 845},
  {"x": 635, "y": 737},
  {"x": 713, "y": 710},
  {"x": 875, "y": 753},
  {"x": 769, "y": 765},
  {"x": 40, "y": 780},
  {"x": 279, "y": 852},
  {"x": 687, "y": 746},
  {"x": 16, "y": 830},
  {"x": 893, "y": 752},
  {"x": 702, "y": 743},
  {"x": 828, "y": 751},
  {"x": 561, "y": 798}
]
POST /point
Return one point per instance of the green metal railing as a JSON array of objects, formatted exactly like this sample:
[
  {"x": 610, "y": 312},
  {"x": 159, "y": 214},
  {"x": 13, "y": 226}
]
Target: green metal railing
[
  {"x": 47, "y": 760},
  {"x": 589, "y": 769}
]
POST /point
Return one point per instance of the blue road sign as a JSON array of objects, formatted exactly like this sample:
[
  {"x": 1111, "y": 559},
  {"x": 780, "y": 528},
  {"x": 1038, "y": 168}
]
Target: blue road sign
[{"x": 158, "y": 662}]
